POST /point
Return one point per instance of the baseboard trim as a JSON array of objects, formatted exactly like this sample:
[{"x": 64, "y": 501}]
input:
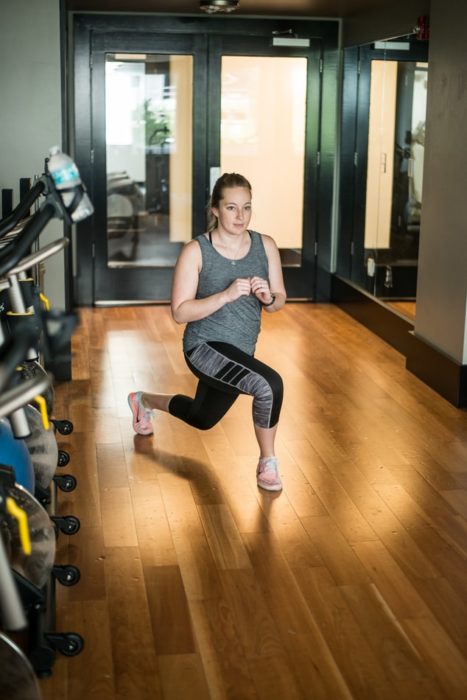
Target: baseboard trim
[
  {"x": 440, "y": 372},
  {"x": 375, "y": 315}
]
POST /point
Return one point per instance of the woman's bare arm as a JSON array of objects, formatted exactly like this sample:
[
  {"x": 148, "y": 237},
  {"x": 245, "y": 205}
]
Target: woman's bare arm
[{"x": 276, "y": 279}]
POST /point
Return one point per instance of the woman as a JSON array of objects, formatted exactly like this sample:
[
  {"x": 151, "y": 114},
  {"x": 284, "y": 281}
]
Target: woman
[{"x": 223, "y": 280}]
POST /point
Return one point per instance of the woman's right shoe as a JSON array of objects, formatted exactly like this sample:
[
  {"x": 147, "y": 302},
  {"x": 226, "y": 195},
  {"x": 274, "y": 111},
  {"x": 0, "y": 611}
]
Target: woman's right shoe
[
  {"x": 267, "y": 474},
  {"x": 142, "y": 416}
]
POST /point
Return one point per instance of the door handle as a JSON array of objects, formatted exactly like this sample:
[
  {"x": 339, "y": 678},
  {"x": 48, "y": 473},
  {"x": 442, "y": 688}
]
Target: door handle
[{"x": 214, "y": 175}]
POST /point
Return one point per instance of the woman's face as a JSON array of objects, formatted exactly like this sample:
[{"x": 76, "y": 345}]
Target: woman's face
[{"x": 234, "y": 210}]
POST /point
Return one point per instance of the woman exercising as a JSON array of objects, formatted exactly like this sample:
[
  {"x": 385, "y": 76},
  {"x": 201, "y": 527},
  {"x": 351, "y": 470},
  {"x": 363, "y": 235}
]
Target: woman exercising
[{"x": 223, "y": 279}]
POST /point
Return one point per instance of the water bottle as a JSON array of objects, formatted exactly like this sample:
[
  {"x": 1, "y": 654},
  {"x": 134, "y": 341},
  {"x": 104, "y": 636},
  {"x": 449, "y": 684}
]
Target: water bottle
[{"x": 66, "y": 177}]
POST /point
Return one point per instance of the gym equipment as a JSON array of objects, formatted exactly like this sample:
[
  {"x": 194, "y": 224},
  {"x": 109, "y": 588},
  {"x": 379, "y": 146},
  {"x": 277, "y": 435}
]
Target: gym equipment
[
  {"x": 43, "y": 450},
  {"x": 54, "y": 329},
  {"x": 36, "y": 566},
  {"x": 15, "y": 453},
  {"x": 42, "y": 447},
  {"x": 34, "y": 575},
  {"x": 17, "y": 680},
  {"x": 29, "y": 333}
]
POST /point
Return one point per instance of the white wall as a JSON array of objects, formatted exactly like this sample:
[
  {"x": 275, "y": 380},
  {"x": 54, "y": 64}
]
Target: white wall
[
  {"x": 442, "y": 263},
  {"x": 30, "y": 106}
]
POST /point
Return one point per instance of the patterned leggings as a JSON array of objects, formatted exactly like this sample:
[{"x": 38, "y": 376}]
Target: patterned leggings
[{"x": 225, "y": 372}]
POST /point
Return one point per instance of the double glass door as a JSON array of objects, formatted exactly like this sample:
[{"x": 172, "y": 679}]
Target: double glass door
[{"x": 169, "y": 115}]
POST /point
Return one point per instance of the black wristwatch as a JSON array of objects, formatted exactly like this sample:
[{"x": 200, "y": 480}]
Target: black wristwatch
[{"x": 270, "y": 303}]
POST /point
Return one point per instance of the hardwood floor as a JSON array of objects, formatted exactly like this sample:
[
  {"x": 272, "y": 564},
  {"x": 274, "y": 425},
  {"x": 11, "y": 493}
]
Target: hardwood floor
[
  {"x": 406, "y": 308},
  {"x": 351, "y": 583}
]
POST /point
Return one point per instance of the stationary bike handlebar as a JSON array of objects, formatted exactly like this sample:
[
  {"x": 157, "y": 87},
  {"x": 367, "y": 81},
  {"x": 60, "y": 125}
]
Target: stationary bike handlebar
[
  {"x": 12, "y": 233},
  {"x": 13, "y": 252},
  {"x": 39, "y": 256},
  {"x": 14, "y": 350},
  {"x": 13, "y": 219},
  {"x": 18, "y": 396}
]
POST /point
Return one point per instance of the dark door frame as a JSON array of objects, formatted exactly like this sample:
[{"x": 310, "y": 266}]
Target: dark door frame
[{"x": 94, "y": 30}]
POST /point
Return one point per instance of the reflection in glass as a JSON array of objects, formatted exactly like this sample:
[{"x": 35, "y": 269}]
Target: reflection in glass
[
  {"x": 396, "y": 144},
  {"x": 409, "y": 155},
  {"x": 263, "y": 113},
  {"x": 149, "y": 158},
  {"x": 380, "y": 154}
]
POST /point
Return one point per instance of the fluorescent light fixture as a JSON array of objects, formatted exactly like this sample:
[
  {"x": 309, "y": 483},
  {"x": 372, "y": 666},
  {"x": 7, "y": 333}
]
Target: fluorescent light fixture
[{"x": 213, "y": 6}]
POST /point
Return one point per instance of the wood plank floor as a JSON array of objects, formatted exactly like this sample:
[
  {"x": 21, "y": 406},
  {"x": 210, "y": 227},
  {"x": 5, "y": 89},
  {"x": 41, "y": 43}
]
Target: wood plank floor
[
  {"x": 195, "y": 585},
  {"x": 406, "y": 308}
]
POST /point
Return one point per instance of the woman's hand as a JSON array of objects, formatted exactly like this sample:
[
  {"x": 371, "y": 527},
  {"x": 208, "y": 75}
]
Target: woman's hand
[
  {"x": 239, "y": 288},
  {"x": 260, "y": 288}
]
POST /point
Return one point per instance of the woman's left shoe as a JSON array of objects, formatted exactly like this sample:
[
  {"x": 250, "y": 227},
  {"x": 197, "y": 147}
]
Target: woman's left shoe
[
  {"x": 142, "y": 416},
  {"x": 267, "y": 474}
]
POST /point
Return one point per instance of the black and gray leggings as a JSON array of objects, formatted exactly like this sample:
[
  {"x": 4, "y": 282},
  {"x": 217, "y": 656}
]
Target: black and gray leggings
[{"x": 225, "y": 372}]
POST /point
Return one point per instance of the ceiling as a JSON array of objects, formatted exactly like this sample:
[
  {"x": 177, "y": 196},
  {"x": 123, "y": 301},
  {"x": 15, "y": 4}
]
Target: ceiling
[{"x": 302, "y": 8}]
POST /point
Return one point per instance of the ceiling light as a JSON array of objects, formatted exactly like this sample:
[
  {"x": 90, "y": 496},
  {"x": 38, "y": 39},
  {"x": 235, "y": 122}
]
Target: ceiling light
[{"x": 212, "y": 6}]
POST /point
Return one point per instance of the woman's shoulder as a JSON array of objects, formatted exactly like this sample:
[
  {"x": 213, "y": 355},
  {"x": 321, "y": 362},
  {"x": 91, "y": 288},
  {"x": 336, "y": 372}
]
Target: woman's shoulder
[
  {"x": 201, "y": 239},
  {"x": 268, "y": 241},
  {"x": 194, "y": 250},
  {"x": 191, "y": 250},
  {"x": 197, "y": 241}
]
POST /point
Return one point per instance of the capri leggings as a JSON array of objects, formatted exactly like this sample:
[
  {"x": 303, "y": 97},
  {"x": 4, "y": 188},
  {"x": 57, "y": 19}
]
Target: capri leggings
[{"x": 225, "y": 372}]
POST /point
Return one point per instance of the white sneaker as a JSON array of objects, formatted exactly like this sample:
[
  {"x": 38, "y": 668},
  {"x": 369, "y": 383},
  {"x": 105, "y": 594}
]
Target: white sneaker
[
  {"x": 267, "y": 474},
  {"x": 142, "y": 416}
]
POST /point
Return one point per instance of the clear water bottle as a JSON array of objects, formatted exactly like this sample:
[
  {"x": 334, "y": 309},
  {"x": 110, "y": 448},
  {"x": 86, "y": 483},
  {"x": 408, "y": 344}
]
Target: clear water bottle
[{"x": 66, "y": 177}]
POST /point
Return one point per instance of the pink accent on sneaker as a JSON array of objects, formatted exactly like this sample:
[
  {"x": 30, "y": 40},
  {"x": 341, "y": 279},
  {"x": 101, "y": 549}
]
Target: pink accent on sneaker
[
  {"x": 267, "y": 475},
  {"x": 142, "y": 423}
]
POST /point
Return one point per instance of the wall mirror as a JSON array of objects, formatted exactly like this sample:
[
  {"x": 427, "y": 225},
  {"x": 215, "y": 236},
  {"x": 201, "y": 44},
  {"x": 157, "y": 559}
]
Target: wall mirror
[{"x": 383, "y": 143}]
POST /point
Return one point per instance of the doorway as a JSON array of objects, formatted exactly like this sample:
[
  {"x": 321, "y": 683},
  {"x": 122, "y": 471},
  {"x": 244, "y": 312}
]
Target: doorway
[{"x": 168, "y": 113}]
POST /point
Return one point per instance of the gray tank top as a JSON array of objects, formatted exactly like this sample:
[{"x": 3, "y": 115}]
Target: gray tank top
[{"x": 239, "y": 322}]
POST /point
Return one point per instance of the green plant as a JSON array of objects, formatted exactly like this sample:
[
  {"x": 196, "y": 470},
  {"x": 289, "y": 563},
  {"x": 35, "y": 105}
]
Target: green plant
[{"x": 157, "y": 127}]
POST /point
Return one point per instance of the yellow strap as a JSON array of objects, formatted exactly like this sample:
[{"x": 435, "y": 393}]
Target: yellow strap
[
  {"x": 45, "y": 301},
  {"x": 20, "y": 313},
  {"x": 16, "y": 512},
  {"x": 41, "y": 402}
]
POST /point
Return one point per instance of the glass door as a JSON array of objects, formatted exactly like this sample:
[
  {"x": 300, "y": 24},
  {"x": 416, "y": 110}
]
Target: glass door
[
  {"x": 149, "y": 149},
  {"x": 263, "y": 116},
  {"x": 268, "y": 131},
  {"x": 170, "y": 113},
  {"x": 148, "y": 108}
]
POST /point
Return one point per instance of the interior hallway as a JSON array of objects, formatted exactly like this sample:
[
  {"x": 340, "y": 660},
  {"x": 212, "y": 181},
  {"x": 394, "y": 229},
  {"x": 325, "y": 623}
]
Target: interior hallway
[{"x": 195, "y": 585}]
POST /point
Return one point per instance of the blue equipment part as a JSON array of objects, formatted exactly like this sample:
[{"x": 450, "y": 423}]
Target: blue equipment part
[{"x": 15, "y": 454}]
